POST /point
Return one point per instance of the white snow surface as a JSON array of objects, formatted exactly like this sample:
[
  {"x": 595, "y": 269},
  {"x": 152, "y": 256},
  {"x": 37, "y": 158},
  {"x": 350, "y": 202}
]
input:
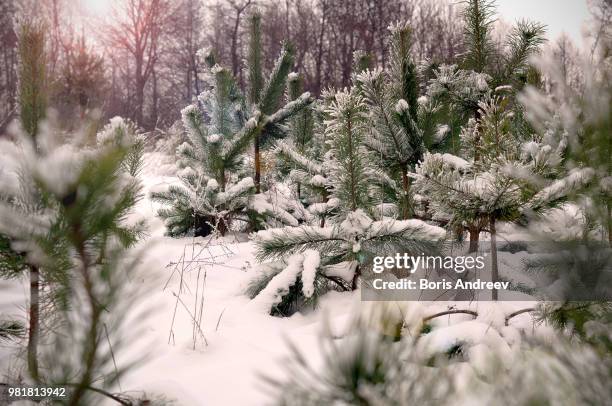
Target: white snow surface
[
  {"x": 454, "y": 161},
  {"x": 312, "y": 259},
  {"x": 242, "y": 342},
  {"x": 279, "y": 285},
  {"x": 441, "y": 131}
]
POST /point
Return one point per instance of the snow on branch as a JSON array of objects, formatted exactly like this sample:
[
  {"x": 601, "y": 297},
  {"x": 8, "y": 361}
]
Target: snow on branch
[
  {"x": 288, "y": 150},
  {"x": 289, "y": 109},
  {"x": 312, "y": 260},
  {"x": 279, "y": 285},
  {"x": 577, "y": 179},
  {"x": 261, "y": 205},
  {"x": 414, "y": 229}
]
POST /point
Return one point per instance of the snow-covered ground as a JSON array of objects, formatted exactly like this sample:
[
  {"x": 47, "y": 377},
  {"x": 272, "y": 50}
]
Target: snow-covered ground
[
  {"x": 240, "y": 344},
  {"x": 236, "y": 344}
]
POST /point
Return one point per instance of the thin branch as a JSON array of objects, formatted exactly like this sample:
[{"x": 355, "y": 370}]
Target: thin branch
[
  {"x": 448, "y": 312},
  {"x": 518, "y": 312},
  {"x": 109, "y": 395}
]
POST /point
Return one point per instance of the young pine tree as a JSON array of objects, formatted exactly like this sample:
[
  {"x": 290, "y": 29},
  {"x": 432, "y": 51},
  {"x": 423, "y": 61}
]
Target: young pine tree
[
  {"x": 82, "y": 80},
  {"x": 266, "y": 97},
  {"x": 77, "y": 239},
  {"x": 308, "y": 260},
  {"x": 477, "y": 192},
  {"x": 391, "y": 98},
  {"x": 301, "y": 126},
  {"x": 32, "y": 110},
  {"x": 581, "y": 191},
  {"x": 215, "y": 190},
  {"x": 460, "y": 92}
]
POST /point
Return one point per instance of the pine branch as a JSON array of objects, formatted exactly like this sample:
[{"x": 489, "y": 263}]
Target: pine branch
[
  {"x": 289, "y": 152},
  {"x": 275, "y": 86},
  {"x": 237, "y": 146},
  {"x": 276, "y": 243},
  {"x": 289, "y": 109},
  {"x": 478, "y": 18},
  {"x": 524, "y": 40}
]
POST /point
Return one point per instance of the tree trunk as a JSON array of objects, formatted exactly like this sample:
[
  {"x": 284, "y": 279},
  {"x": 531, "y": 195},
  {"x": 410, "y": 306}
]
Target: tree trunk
[
  {"x": 155, "y": 111},
  {"x": 474, "y": 239},
  {"x": 139, "y": 93},
  {"x": 257, "y": 165},
  {"x": 406, "y": 190},
  {"x": 354, "y": 283},
  {"x": 34, "y": 323},
  {"x": 609, "y": 224},
  {"x": 234, "y": 45},
  {"x": 319, "y": 58},
  {"x": 494, "y": 270},
  {"x": 222, "y": 226},
  {"x": 92, "y": 338}
]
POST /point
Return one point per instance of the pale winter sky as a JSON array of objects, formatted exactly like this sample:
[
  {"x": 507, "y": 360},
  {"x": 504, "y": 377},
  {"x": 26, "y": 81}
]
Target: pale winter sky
[{"x": 567, "y": 16}]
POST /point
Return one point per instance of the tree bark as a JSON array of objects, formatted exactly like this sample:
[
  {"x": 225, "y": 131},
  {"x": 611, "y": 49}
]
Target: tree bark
[
  {"x": 609, "y": 219},
  {"x": 257, "y": 164},
  {"x": 406, "y": 189},
  {"x": 140, "y": 85},
  {"x": 155, "y": 104},
  {"x": 494, "y": 270},
  {"x": 355, "y": 281},
  {"x": 319, "y": 57},
  {"x": 34, "y": 332},
  {"x": 474, "y": 239}
]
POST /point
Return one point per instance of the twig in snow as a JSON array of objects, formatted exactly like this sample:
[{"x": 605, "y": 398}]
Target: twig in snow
[
  {"x": 110, "y": 346},
  {"x": 192, "y": 317},
  {"x": 219, "y": 319}
]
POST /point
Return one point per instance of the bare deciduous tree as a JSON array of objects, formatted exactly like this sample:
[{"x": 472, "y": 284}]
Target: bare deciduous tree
[{"x": 138, "y": 27}]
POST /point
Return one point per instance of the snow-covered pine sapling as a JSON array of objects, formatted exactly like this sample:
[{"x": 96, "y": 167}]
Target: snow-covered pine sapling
[
  {"x": 214, "y": 192},
  {"x": 577, "y": 123},
  {"x": 475, "y": 195},
  {"x": 456, "y": 94},
  {"x": 70, "y": 221},
  {"x": 351, "y": 237},
  {"x": 125, "y": 133},
  {"x": 352, "y": 176},
  {"x": 266, "y": 98},
  {"x": 392, "y": 97},
  {"x": 342, "y": 248},
  {"x": 310, "y": 175},
  {"x": 457, "y": 91},
  {"x": 220, "y": 130},
  {"x": 301, "y": 125}
]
